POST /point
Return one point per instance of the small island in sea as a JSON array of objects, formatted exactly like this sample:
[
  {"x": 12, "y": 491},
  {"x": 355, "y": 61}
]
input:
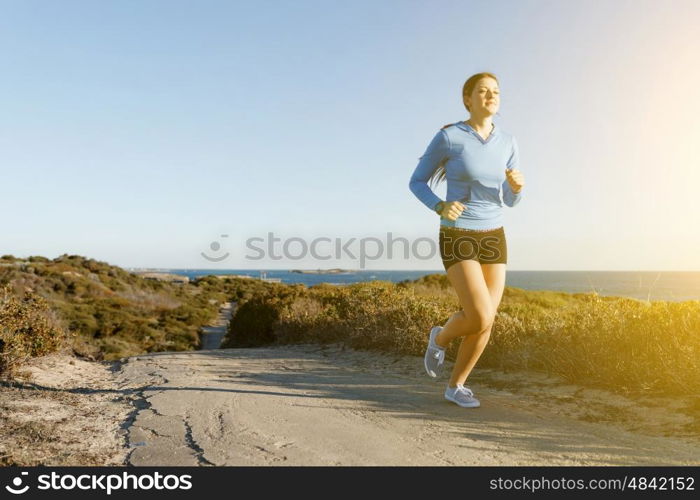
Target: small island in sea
[{"x": 321, "y": 271}]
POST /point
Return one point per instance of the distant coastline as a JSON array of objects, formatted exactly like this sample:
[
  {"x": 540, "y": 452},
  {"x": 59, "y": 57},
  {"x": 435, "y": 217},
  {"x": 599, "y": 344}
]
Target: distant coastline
[
  {"x": 321, "y": 271},
  {"x": 646, "y": 285}
]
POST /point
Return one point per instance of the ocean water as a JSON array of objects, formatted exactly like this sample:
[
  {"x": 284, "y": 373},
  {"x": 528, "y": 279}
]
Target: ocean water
[{"x": 645, "y": 285}]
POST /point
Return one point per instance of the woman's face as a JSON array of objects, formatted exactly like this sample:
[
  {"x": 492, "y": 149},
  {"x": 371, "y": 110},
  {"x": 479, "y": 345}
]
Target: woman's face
[{"x": 485, "y": 98}]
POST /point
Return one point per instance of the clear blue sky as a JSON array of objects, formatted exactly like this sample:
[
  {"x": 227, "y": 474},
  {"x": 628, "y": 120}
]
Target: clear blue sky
[{"x": 139, "y": 132}]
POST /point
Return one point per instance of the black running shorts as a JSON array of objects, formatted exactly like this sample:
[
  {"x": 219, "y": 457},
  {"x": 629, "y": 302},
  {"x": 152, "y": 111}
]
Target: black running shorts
[{"x": 487, "y": 247}]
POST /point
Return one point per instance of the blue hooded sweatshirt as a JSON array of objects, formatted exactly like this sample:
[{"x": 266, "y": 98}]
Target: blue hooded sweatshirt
[{"x": 475, "y": 174}]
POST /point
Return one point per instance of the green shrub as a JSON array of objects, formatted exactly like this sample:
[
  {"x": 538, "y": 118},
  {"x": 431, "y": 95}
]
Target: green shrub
[
  {"x": 27, "y": 329},
  {"x": 38, "y": 258},
  {"x": 255, "y": 318}
]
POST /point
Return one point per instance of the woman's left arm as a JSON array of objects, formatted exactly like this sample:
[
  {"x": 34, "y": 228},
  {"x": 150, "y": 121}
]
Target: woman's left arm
[{"x": 513, "y": 185}]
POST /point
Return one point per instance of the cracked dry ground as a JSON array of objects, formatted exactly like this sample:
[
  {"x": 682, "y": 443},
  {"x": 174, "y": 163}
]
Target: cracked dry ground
[
  {"x": 326, "y": 405},
  {"x": 162, "y": 436}
]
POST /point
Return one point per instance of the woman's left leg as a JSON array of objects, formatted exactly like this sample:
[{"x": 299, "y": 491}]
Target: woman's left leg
[{"x": 472, "y": 346}]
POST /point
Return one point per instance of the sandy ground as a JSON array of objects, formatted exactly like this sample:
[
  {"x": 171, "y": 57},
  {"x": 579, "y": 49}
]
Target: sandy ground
[
  {"x": 324, "y": 405},
  {"x": 66, "y": 411}
]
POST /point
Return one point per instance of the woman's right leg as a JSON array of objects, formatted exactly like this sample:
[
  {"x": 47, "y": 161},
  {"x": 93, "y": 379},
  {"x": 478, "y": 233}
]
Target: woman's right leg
[
  {"x": 476, "y": 314},
  {"x": 475, "y": 318}
]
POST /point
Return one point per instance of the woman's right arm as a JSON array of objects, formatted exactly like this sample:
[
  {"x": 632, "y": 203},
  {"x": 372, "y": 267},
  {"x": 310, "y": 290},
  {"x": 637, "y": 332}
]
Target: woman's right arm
[{"x": 436, "y": 152}]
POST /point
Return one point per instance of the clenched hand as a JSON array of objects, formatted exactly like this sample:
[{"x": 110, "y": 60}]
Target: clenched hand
[
  {"x": 452, "y": 209},
  {"x": 515, "y": 179}
]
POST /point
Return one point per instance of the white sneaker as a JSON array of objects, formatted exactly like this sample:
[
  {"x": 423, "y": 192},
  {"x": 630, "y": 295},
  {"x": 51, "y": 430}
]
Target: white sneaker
[
  {"x": 463, "y": 396},
  {"x": 434, "y": 354}
]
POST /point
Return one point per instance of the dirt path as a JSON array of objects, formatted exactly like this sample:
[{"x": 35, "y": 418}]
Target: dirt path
[
  {"x": 312, "y": 405},
  {"x": 212, "y": 335}
]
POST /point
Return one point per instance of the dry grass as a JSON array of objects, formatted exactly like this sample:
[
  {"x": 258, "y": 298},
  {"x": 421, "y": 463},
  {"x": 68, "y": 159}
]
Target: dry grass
[{"x": 624, "y": 345}]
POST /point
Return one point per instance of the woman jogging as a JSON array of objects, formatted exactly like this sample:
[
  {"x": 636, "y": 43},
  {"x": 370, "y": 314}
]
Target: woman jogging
[{"x": 480, "y": 162}]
